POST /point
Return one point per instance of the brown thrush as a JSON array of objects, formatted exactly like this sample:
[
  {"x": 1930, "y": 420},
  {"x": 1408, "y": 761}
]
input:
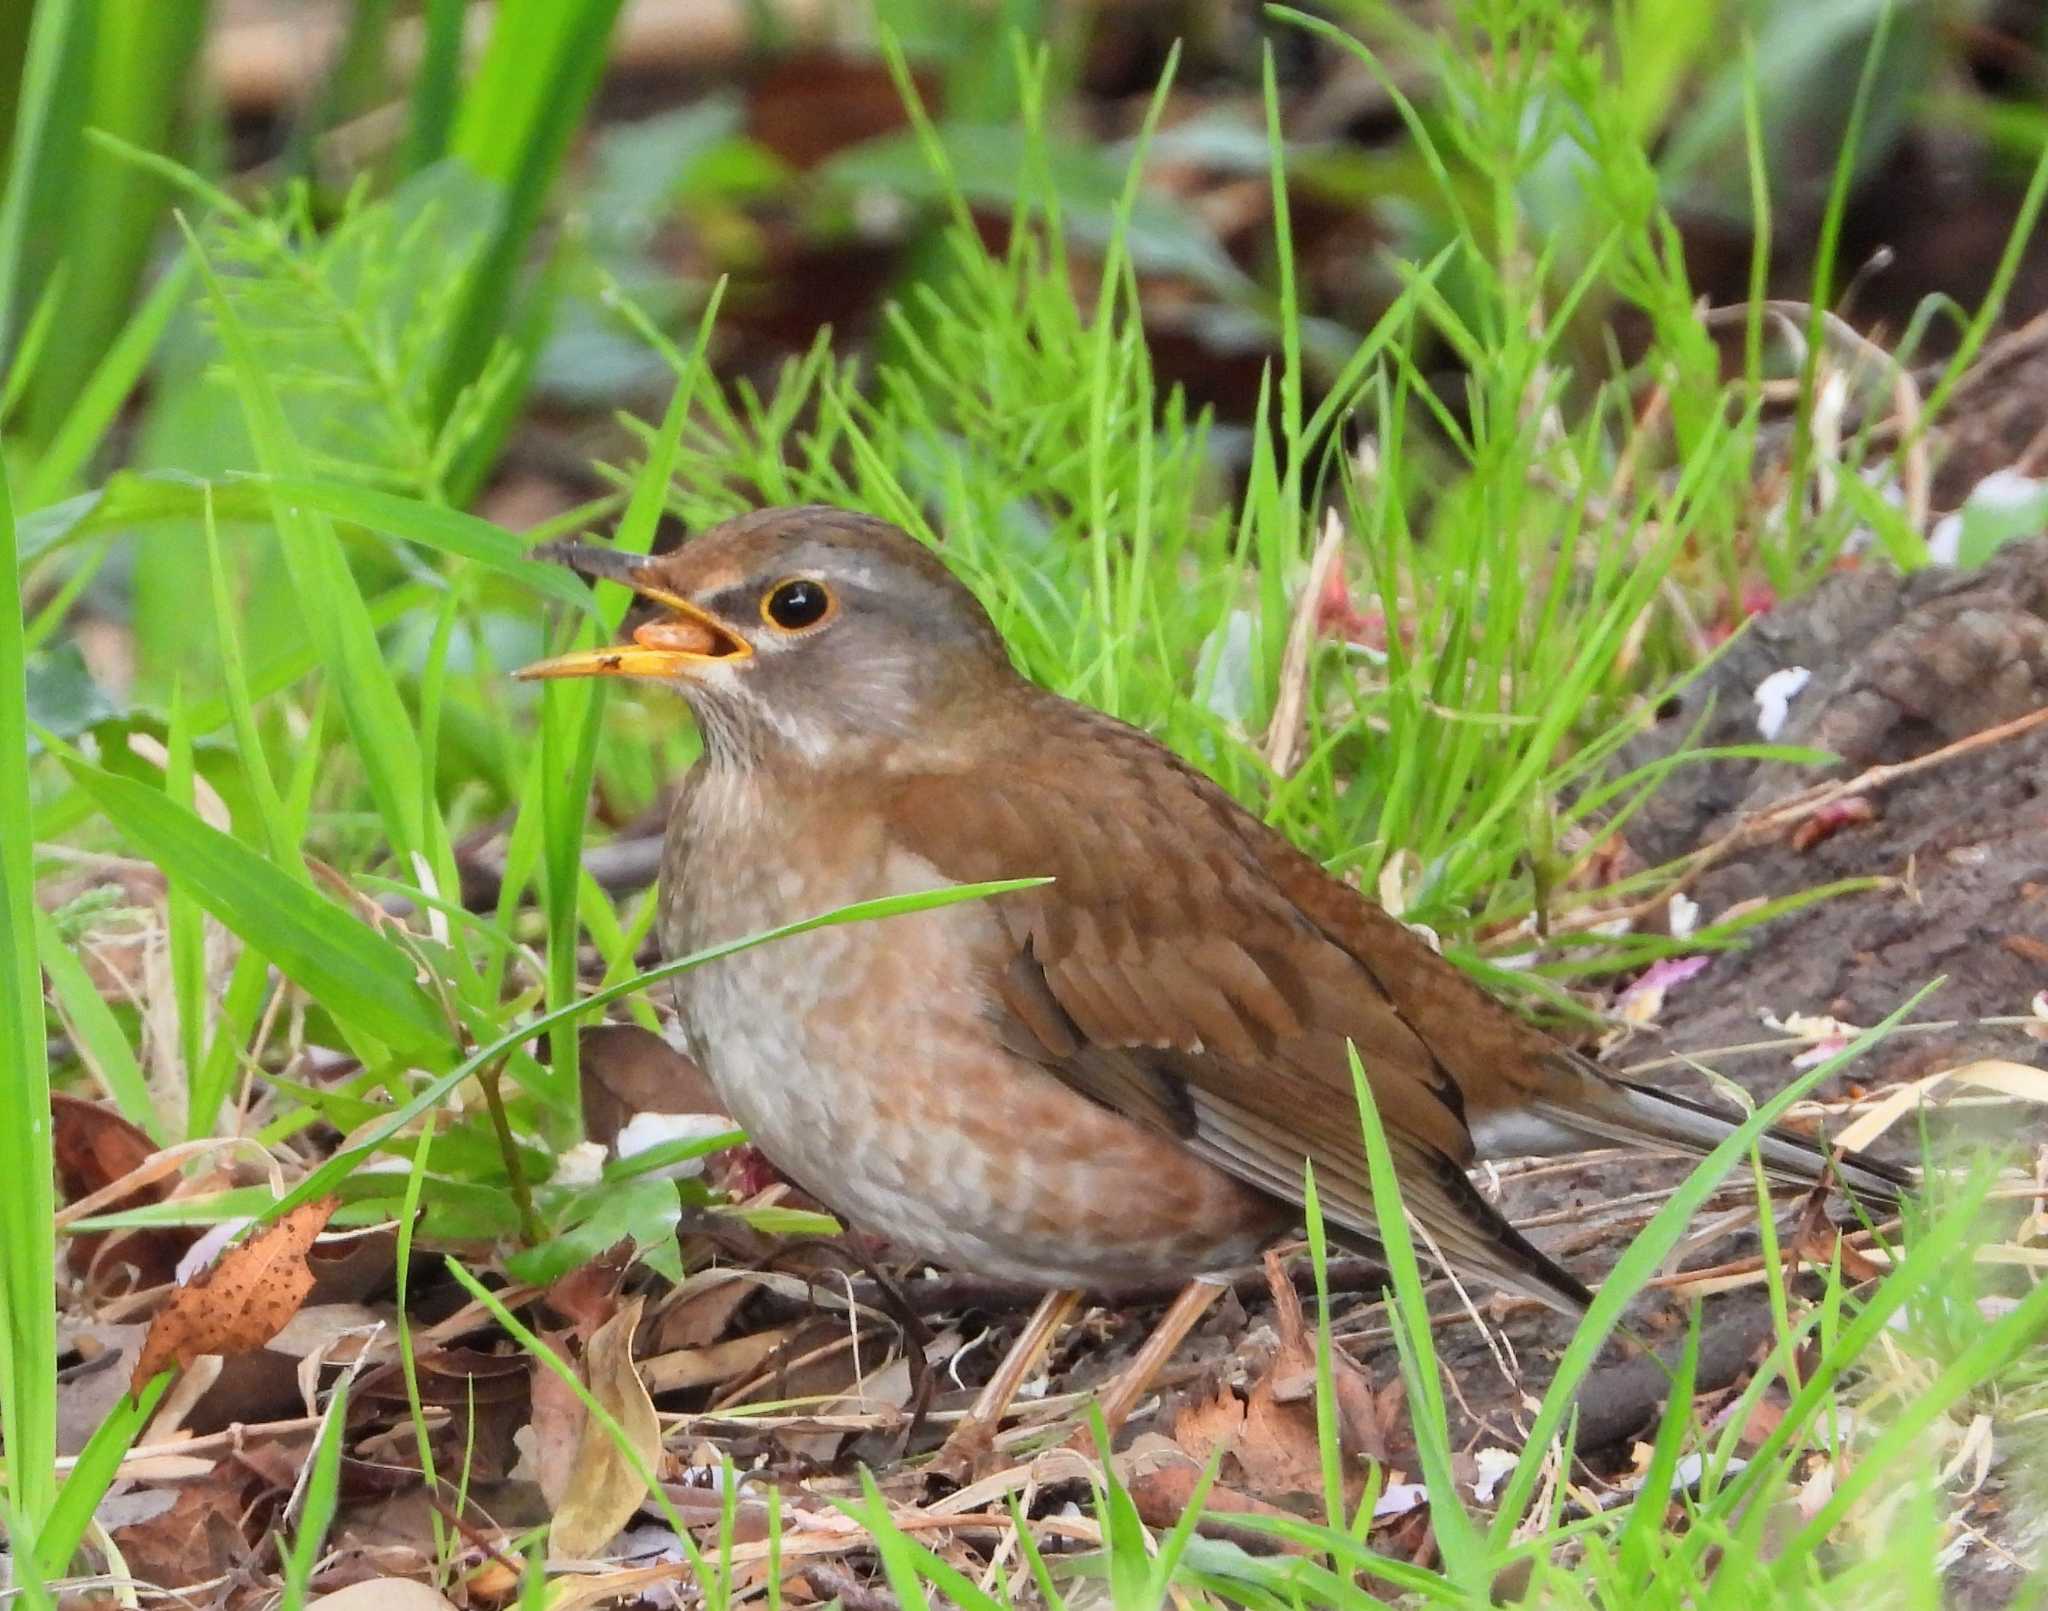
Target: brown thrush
[{"x": 1107, "y": 1079}]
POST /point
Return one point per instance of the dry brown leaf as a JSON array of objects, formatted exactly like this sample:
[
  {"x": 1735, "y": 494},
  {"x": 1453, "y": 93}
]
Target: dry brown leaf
[
  {"x": 556, "y": 1425},
  {"x": 199, "y": 1538},
  {"x": 1818, "y": 1240},
  {"x": 627, "y": 1070},
  {"x": 700, "y": 1310},
  {"x": 1162, "y": 1489},
  {"x": 95, "y": 1147},
  {"x": 1205, "y": 1425},
  {"x": 242, "y": 1301},
  {"x": 721, "y": 1362},
  {"x": 588, "y": 1296},
  {"x": 1279, "y": 1451},
  {"x": 604, "y": 1489}
]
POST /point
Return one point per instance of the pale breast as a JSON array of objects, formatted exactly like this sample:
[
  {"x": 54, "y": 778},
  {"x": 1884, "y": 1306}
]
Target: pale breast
[{"x": 863, "y": 1060}]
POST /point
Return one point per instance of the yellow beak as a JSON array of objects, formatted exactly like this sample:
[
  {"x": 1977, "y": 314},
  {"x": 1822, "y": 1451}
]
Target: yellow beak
[{"x": 669, "y": 646}]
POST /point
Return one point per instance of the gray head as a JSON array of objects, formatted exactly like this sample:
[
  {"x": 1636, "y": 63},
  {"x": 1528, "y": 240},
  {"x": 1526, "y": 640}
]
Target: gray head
[{"x": 812, "y": 633}]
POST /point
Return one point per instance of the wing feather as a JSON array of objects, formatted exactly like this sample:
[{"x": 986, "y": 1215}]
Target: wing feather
[{"x": 1190, "y": 968}]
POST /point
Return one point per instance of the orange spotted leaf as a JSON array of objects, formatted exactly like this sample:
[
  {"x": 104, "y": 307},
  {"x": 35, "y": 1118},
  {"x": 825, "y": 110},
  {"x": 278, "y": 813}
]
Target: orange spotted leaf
[{"x": 242, "y": 1301}]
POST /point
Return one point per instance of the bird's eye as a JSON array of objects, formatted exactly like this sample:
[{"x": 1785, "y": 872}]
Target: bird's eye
[{"x": 796, "y": 604}]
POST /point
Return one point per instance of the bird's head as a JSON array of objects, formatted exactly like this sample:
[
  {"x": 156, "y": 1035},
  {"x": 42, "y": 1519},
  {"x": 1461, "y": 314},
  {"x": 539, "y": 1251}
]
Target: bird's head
[{"x": 812, "y": 633}]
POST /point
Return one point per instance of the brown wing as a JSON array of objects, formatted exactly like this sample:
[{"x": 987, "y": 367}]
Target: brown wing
[{"x": 1190, "y": 968}]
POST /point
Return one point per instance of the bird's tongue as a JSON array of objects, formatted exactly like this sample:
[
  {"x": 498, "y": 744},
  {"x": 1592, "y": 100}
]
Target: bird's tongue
[{"x": 683, "y": 636}]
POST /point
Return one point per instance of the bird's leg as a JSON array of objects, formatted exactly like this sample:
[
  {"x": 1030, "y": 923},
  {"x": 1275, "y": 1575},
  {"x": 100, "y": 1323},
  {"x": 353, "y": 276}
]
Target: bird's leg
[
  {"x": 1133, "y": 1382},
  {"x": 917, "y": 1338},
  {"x": 974, "y": 1437}
]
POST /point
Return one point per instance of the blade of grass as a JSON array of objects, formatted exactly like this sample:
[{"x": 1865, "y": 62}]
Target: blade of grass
[
  {"x": 114, "y": 379},
  {"x": 529, "y": 94},
  {"x": 1646, "y": 1254},
  {"x": 111, "y": 210},
  {"x": 53, "y": 33},
  {"x": 435, "y": 526},
  {"x": 28, "y": 1275},
  {"x": 92, "y": 1474},
  {"x": 1458, "y": 1540},
  {"x": 327, "y": 596},
  {"x": 278, "y": 829},
  {"x": 323, "y": 1492},
  {"x": 94, "y": 1030},
  {"x": 366, "y": 982},
  {"x": 571, "y": 714},
  {"x": 437, "y": 91},
  {"x": 573, "y": 1380}
]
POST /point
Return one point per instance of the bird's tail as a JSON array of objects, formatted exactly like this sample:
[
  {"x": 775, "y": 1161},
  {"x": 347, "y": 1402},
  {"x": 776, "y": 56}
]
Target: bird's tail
[{"x": 1601, "y": 1107}]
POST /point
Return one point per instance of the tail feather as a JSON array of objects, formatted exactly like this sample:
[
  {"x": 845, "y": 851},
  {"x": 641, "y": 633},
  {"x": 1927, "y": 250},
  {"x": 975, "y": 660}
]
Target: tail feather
[{"x": 1606, "y": 1108}]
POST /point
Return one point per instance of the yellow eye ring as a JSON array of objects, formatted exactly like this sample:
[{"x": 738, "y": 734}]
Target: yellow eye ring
[{"x": 798, "y": 603}]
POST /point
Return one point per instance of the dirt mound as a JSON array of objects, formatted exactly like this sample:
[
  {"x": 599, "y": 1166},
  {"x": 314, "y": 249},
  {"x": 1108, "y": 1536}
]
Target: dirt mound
[{"x": 1899, "y": 671}]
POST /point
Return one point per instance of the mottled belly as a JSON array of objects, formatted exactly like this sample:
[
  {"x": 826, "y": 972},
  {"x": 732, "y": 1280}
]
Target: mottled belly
[{"x": 863, "y": 1062}]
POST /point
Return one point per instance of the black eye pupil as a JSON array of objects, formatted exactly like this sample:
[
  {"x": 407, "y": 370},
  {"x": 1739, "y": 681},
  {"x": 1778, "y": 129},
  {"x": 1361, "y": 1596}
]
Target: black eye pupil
[{"x": 798, "y": 604}]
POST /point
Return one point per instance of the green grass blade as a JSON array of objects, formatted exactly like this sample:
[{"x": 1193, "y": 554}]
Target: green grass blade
[
  {"x": 1457, "y": 1538},
  {"x": 437, "y": 527},
  {"x": 114, "y": 379},
  {"x": 323, "y": 1492},
  {"x": 28, "y": 1276},
  {"x": 365, "y": 982},
  {"x": 54, "y": 31},
  {"x": 95, "y": 1031},
  {"x": 109, "y": 211},
  {"x": 1645, "y": 1255},
  {"x": 92, "y": 1474},
  {"x": 437, "y": 90},
  {"x": 279, "y": 831},
  {"x": 328, "y": 598},
  {"x": 537, "y": 76},
  {"x": 570, "y": 713}
]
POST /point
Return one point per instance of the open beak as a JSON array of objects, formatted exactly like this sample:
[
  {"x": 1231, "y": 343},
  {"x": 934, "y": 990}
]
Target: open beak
[{"x": 670, "y": 645}]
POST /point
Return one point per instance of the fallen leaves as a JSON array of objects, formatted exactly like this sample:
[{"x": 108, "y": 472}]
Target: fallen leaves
[
  {"x": 240, "y": 1303},
  {"x": 96, "y": 1149},
  {"x": 1270, "y": 1438},
  {"x": 608, "y": 1482}
]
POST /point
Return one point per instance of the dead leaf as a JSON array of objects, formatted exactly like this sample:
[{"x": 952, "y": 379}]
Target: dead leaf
[
  {"x": 199, "y": 1538},
  {"x": 605, "y": 1490},
  {"x": 1271, "y": 1438},
  {"x": 1163, "y": 1490},
  {"x": 1206, "y": 1425},
  {"x": 240, "y": 1303},
  {"x": 588, "y": 1296},
  {"x": 700, "y": 1310},
  {"x": 95, "y": 1147},
  {"x": 554, "y": 1427},
  {"x": 627, "y": 1070},
  {"x": 721, "y": 1362},
  {"x": 1279, "y": 1452}
]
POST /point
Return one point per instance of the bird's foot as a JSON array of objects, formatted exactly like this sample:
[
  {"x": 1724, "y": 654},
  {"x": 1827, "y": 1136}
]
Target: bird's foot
[{"x": 968, "y": 1453}]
